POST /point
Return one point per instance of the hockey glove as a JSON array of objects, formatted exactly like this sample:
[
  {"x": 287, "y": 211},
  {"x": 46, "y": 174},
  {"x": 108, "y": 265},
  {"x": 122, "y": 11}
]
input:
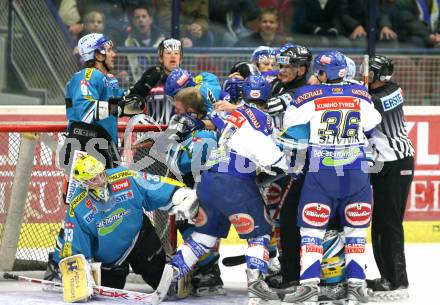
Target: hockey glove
[
  {"x": 277, "y": 105},
  {"x": 132, "y": 104},
  {"x": 185, "y": 204},
  {"x": 148, "y": 80}
]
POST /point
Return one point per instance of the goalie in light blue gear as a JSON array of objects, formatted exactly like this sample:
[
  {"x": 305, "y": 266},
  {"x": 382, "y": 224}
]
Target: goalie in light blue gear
[
  {"x": 106, "y": 221},
  {"x": 234, "y": 168}
]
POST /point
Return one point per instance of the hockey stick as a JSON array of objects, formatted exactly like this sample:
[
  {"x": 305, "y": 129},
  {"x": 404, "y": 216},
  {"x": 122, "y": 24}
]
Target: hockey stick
[
  {"x": 232, "y": 261},
  {"x": 365, "y": 72},
  {"x": 98, "y": 291}
]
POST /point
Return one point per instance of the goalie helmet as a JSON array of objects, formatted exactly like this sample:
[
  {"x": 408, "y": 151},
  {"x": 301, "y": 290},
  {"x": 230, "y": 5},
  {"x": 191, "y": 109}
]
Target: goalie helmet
[
  {"x": 381, "y": 68},
  {"x": 333, "y": 63},
  {"x": 256, "y": 88},
  {"x": 178, "y": 78},
  {"x": 90, "y": 43},
  {"x": 170, "y": 44},
  {"x": 87, "y": 168},
  {"x": 294, "y": 55}
]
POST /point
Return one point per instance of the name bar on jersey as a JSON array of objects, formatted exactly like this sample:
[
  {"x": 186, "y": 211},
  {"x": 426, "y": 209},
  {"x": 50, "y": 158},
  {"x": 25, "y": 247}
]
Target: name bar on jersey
[{"x": 337, "y": 103}]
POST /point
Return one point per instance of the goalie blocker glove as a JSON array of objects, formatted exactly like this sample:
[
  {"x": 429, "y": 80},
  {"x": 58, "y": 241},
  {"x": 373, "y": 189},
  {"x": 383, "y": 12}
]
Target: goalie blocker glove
[{"x": 128, "y": 105}]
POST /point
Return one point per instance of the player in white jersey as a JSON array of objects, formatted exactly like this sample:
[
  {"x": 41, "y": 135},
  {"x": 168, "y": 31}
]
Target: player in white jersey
[{"x": 337, "y": 182}]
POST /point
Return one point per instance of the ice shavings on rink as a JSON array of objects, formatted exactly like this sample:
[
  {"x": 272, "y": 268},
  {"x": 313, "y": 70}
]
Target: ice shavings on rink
[{"x": 422, "y": 261}]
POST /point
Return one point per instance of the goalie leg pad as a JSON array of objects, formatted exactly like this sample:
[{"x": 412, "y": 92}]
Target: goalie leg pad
[{"x": 77, "y": 278}]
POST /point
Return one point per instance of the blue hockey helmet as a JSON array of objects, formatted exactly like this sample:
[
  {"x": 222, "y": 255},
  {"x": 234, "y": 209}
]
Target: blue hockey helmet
[
  {"x": 234, "y": 87},
  {"x": 283, "y": 48},
  {"x": 256, "y": 88},
  {"x": 178, "y": 78},
  {"x": 262, "y": 53},
  {"x": 333, "y": 63}
]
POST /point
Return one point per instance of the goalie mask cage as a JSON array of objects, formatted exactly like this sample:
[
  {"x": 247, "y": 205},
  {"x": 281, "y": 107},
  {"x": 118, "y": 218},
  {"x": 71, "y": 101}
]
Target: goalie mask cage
[{"x": 31, "y": 201}]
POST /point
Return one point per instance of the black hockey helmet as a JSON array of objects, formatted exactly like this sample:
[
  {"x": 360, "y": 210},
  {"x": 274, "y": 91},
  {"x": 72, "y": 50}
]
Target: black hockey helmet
[
  {"x": 245, "y": 69},
  {"x": 295, "y": 55},
  {"x": 381, "y": 68}
]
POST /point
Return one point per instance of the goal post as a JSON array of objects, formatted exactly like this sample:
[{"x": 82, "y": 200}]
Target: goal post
[{"x": 31, "y": 203}]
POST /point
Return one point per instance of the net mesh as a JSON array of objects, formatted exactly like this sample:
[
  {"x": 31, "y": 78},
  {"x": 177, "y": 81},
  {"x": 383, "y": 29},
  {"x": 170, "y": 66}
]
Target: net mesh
[{"x": 45, "y": 208}]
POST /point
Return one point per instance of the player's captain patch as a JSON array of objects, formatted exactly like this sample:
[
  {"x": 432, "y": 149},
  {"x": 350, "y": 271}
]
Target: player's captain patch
[
  {"x": 316, "y": 214},
  {"x": 121, "y": 185},
  {"x": 243, "y": 223},
  {"x": 358, "y": 213}
]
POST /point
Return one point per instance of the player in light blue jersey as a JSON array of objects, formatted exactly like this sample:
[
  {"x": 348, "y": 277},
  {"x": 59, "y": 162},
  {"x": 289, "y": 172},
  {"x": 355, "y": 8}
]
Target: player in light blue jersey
[
  {"x": 106, "y": 221},
  {"x": 337, "y": 182}
]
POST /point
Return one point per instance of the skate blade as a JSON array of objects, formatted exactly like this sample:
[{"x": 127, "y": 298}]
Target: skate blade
[
  {"x": 387, "y": 296},
  {"x": 209, "y": 291},
  {"x": 258, "y": 301}
]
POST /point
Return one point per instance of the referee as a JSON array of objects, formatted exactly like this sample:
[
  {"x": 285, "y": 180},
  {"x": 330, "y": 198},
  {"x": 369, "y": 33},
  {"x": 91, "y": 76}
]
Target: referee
[{"x": 391, "y": 185}]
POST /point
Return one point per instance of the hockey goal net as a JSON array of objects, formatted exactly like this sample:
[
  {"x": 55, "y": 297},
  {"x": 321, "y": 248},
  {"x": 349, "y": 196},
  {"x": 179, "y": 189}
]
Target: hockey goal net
[{"x": 31, "y": 201}]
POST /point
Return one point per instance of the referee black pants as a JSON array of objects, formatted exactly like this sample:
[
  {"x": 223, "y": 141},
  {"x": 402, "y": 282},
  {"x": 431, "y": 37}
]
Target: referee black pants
[{"x": 390, "y": 192}]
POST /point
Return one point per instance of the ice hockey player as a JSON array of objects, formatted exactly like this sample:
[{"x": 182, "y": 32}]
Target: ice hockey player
[
  {"x": 390, "y": 185},
  {"x": 264, "y": 58},
  {"x": 151, "y": 84},
  {"x": 234, "y": 168},
  {"x": 106, "y": 223},
  {"x": 335, "y": 184},
  {"x": 189, "y": 156}
]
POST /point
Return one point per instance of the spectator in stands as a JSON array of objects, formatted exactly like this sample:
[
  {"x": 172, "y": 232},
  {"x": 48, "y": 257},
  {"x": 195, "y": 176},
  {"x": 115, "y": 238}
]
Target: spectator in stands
[
  {"x": 268, "y": 23},
  {"x": 69, "y": 14},
  {"x": 144, "y": 32},
  {"x": 419, "y": 22},
  {"x": 285, "y": 11},
  {"x": 94, "y": 22},
  {"x": 190, "y": 11},
  {"x": 321, "y": 22},
  {"x": 198, "y": 34},
  {"x": 229, "y": 20},
  {"x": 355, "y": 20}
]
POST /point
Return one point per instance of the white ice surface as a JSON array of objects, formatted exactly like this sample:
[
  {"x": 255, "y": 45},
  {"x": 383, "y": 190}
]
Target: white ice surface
[{"x": 423, "y": 265}]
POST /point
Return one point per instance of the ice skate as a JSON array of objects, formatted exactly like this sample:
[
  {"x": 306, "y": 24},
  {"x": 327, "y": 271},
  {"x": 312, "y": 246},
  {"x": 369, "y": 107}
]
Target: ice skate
[
  {"x": 206, "y": 281},
  {"x": 306, "y": 294},
  {"x": 356, "y": 293},
  {"x": 52, "y": 272},
  {"x": 258, "y": 291},
  {"x": 382, "y": 290},
  {"x": 333, "y": 294}
]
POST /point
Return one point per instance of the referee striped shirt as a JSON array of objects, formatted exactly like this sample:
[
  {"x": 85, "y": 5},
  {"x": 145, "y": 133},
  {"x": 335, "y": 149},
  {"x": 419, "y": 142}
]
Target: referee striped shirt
[{"x": 391, "y": 138}]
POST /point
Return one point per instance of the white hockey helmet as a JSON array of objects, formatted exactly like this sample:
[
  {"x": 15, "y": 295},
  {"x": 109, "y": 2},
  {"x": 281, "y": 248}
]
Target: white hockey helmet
[{"x": 90, "y": 43}]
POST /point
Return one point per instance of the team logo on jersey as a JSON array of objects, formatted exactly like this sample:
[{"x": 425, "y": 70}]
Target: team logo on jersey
[
  {"x": 125, "y": 196},
  {"x": 89, "y": 217},
  {"x": 272, "y": 194},
  {"x": 111, "y": 222},
  {"x": 75, "y": 202},
  {"x": 337, "y": 90},
  {"x": 358, "y": 213},
  {"x": 121, "y": 185},
  {"x": 243, "y": 223},
  {"x": 90, "y": 205},
  {"x": 338, "y": 157},
  {"x": 316, "y": 214},
  {"x": 255, "y": 94},
  {"x": 253, "y": 118},
  {"x": 201, "y": 218}
]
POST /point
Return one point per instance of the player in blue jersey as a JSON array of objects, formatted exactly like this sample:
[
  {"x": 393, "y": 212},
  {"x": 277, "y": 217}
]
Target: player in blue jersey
[
  {"x": 234, "y": 166},
  {"x": 337, "y": 183},
  {"x": 106, "y": 221}
]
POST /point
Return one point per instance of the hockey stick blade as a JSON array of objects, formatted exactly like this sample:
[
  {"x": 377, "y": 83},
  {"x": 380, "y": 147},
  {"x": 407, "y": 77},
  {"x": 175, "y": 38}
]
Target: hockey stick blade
[
  {"x": 232, "y": 261},
  {"x": 98, "y": 291}
]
